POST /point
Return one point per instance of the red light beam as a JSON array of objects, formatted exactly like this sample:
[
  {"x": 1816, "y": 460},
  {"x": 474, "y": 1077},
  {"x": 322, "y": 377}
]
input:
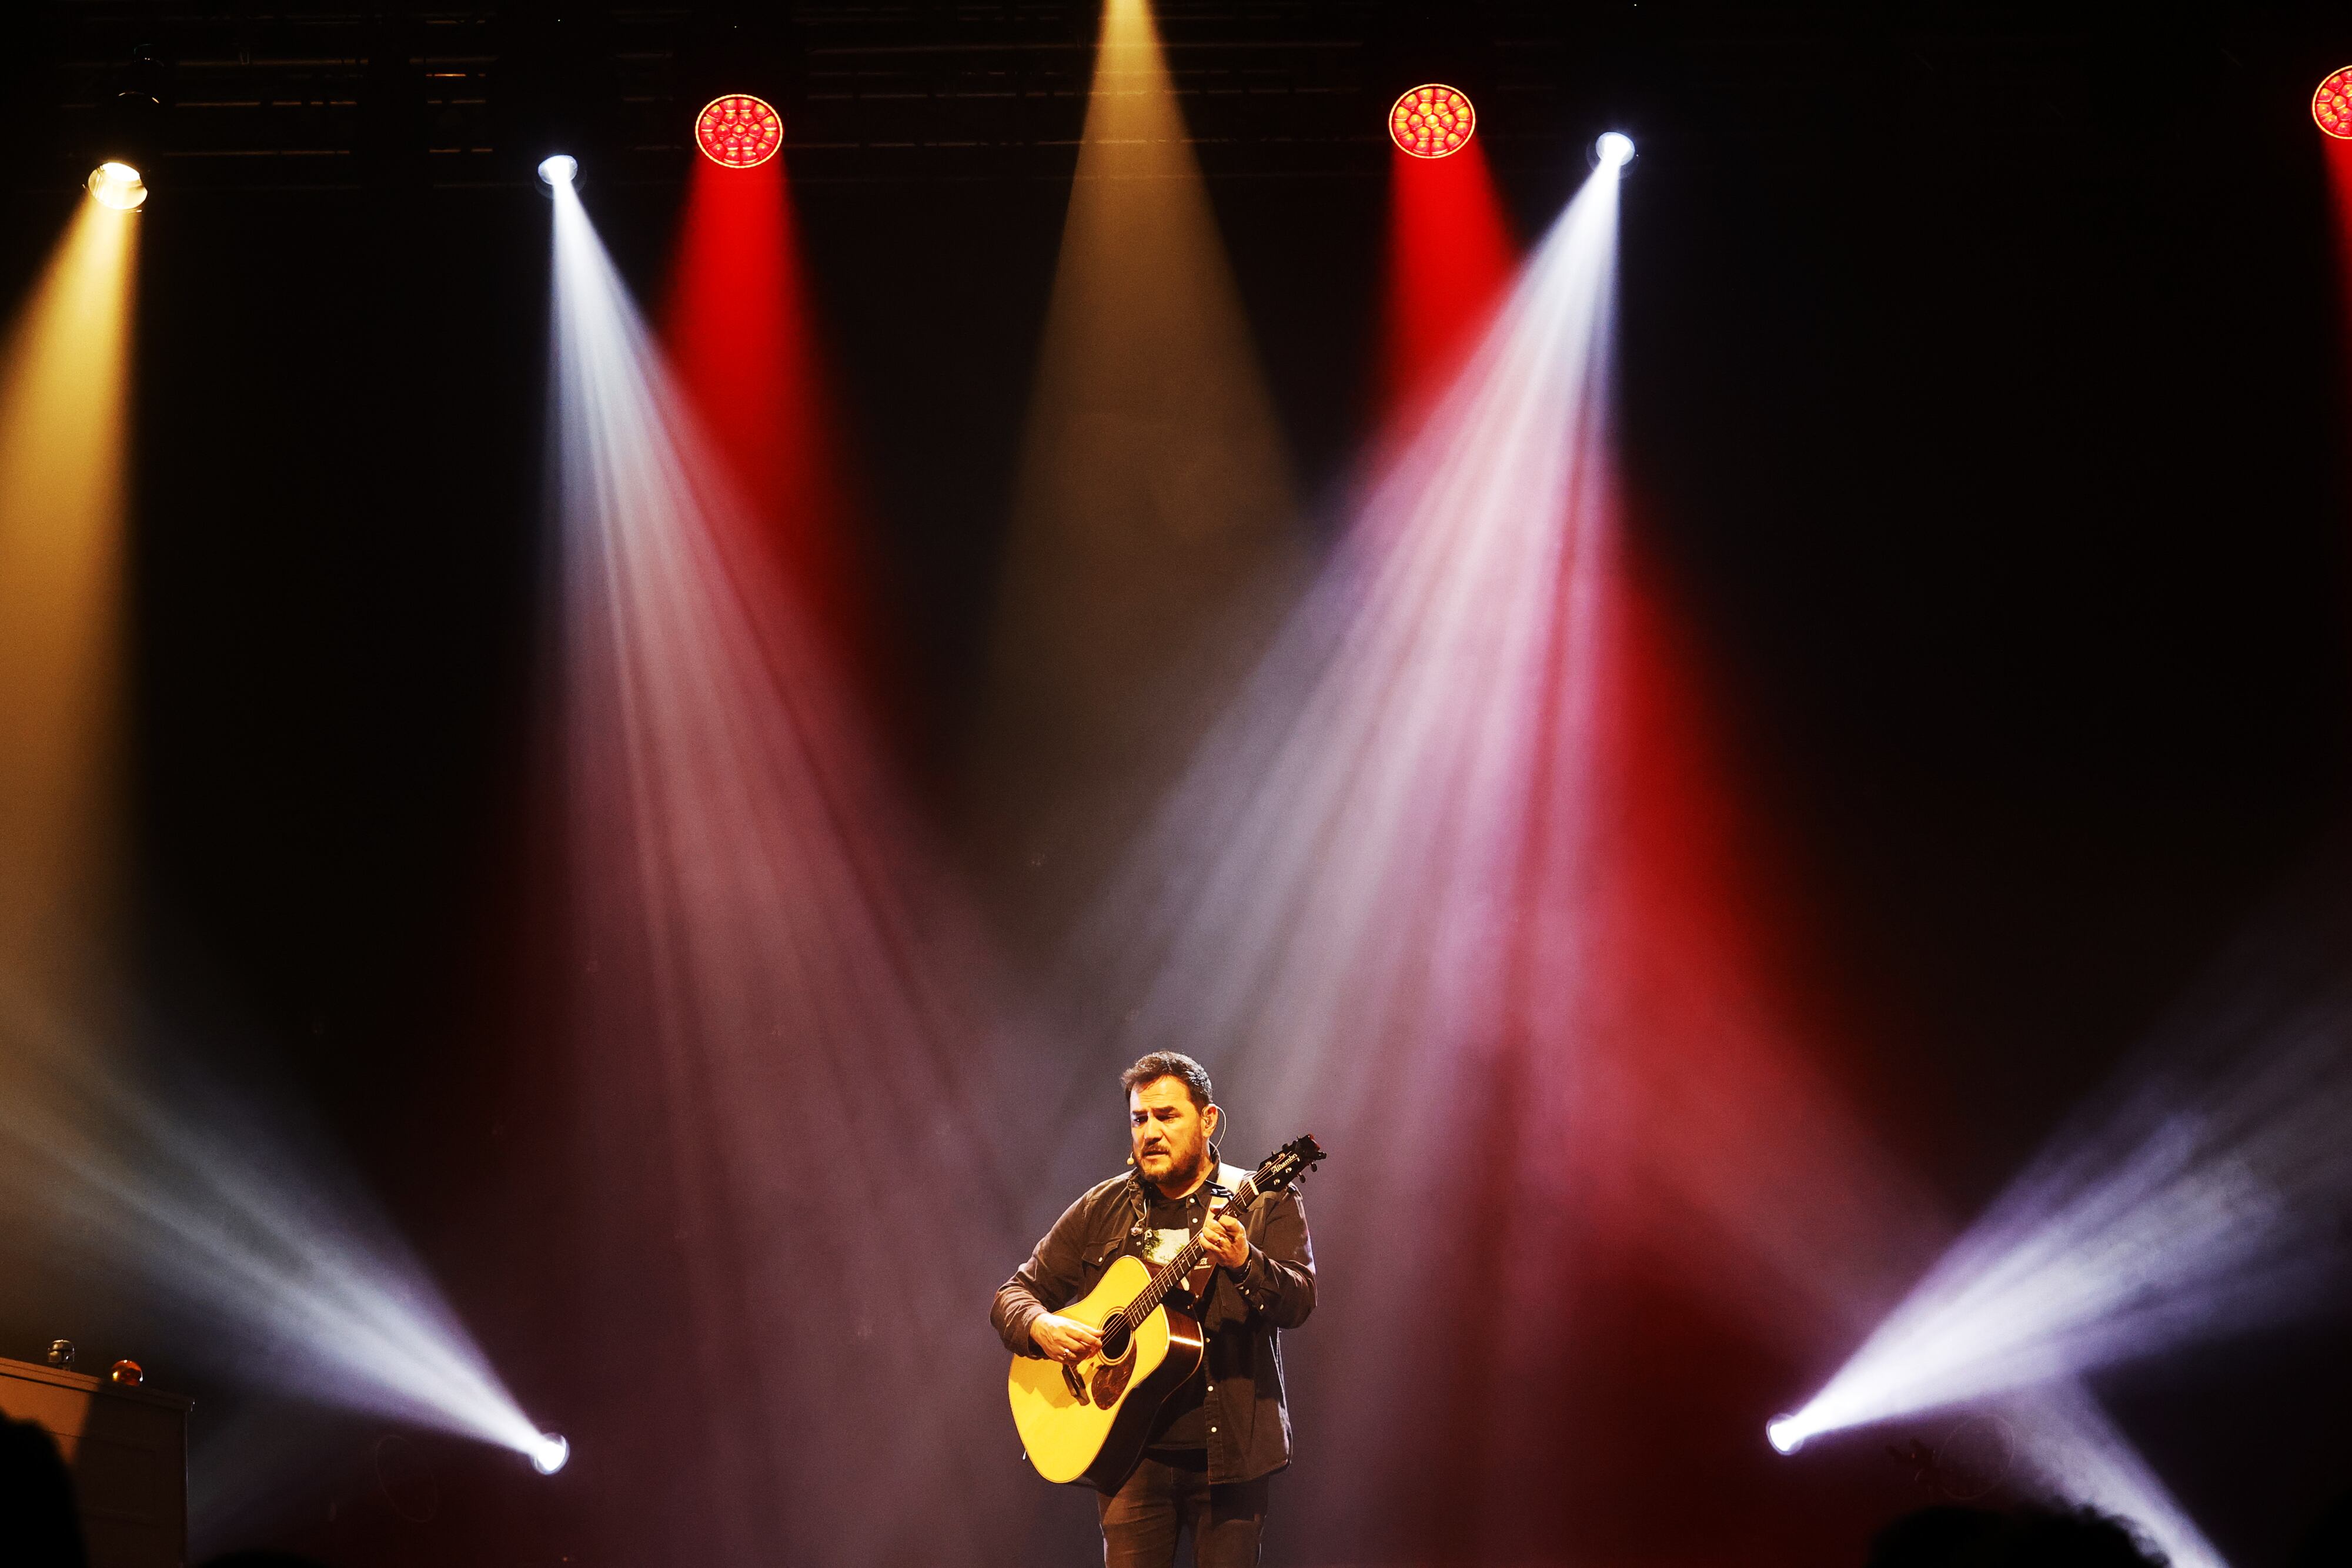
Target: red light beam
[
  {"x": 742, "y": 331},
  {"x": 1450, "y": 256}
]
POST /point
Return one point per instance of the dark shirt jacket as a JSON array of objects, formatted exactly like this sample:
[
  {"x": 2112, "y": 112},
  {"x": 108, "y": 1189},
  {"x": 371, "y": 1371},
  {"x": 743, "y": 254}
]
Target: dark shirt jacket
[{"x": 1249, "y": 1424}]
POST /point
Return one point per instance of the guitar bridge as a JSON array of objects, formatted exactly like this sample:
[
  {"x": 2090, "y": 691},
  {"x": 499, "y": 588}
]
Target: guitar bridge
[{"x": 1077, "y": 1385}]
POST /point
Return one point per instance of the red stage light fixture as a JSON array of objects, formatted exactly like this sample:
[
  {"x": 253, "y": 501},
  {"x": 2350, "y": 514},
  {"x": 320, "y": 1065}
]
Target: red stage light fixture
[
  {"x": 1431, "y": 121},
  {"x": 737, "y": 130},
  {"x": 2331, "y": 106}
]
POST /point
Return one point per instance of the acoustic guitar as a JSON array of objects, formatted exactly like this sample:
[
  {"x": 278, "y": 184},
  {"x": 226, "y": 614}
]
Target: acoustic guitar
[{"x": 1087, "y": 1420}]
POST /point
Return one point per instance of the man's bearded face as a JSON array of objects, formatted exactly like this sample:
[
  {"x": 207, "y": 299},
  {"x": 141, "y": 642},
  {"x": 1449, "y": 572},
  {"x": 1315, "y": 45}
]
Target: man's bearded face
[{"x": 1170, "y": 1135}]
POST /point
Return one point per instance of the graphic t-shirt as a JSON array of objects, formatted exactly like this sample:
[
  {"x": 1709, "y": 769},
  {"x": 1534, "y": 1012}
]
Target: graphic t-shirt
[{"x": 1166, "y": 1228}]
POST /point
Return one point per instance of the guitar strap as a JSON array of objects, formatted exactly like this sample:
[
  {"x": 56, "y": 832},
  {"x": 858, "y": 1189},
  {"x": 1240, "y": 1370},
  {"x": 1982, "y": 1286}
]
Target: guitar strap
[{"x": 1224, "y": 1184}]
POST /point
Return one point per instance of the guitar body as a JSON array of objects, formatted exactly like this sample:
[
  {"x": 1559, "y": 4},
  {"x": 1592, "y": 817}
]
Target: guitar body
[{"x": 1089, "y": 1422}]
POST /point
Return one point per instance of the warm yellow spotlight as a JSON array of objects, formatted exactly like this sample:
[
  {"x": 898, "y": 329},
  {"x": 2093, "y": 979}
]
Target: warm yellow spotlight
[
  {"x": 1154, "y": 502},
  {"x": 118, "y": 186},
  {"x": 63, "y": 413}
]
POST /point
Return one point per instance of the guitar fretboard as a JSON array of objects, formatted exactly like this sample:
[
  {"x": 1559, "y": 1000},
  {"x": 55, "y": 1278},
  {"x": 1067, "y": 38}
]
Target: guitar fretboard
[{"x": 1187, "y": 1258}]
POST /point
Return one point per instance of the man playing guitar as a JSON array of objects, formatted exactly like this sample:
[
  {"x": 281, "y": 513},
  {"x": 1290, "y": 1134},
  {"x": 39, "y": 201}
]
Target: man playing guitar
[{"x": 1225, "y": 1429}]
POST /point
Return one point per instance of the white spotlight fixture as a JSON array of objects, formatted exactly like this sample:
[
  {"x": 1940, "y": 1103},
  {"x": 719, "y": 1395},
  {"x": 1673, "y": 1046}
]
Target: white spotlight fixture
[
  {"x": 1783, "y": 1432},
  {"x": 117, "y": 185},
  {"x": 551, "y": 1451},
  {"x": 559, "y": 170},
  {"x": 1615, "y": 148}
]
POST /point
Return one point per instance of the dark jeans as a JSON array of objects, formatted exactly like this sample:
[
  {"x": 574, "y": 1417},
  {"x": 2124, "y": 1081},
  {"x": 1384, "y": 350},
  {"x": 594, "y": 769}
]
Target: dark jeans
[{"x": 1159, "y": 1501}]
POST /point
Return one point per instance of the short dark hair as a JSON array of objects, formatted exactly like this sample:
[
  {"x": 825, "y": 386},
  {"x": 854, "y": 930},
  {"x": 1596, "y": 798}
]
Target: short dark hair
[{"x": 1169, "y": 1064}]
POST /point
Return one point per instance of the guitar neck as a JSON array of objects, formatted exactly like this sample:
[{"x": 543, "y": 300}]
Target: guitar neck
[{"x": 1187, "y": 1258}]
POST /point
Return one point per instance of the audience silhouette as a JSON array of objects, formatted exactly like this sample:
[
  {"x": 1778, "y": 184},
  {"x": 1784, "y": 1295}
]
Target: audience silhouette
[
  {"x": 2034, "y": 1536},
  {"x": 36, "y": 1501}
]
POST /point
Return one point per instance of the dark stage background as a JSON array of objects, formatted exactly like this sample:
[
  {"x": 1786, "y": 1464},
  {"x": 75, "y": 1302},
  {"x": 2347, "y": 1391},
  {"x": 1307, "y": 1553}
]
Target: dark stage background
[{"x": 1982, "y": 407}]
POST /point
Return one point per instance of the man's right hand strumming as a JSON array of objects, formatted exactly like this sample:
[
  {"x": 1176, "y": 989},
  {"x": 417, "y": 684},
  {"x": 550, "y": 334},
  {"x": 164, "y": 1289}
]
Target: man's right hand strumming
[{"x": 1064, "y": 1339}]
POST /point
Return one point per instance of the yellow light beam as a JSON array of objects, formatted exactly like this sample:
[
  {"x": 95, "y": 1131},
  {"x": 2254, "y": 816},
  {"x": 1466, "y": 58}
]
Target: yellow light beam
[
  {"x": 64, "y": 414},
  {"x": 1154, "y": 501}
]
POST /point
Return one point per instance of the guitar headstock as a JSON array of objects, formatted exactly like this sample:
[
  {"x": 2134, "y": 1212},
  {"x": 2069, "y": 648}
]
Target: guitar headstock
[{"x": 1287, "y": 1163}]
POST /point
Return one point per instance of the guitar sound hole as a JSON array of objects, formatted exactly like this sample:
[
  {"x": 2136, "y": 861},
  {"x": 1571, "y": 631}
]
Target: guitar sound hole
[{"x": 1117, "y": 1340}]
